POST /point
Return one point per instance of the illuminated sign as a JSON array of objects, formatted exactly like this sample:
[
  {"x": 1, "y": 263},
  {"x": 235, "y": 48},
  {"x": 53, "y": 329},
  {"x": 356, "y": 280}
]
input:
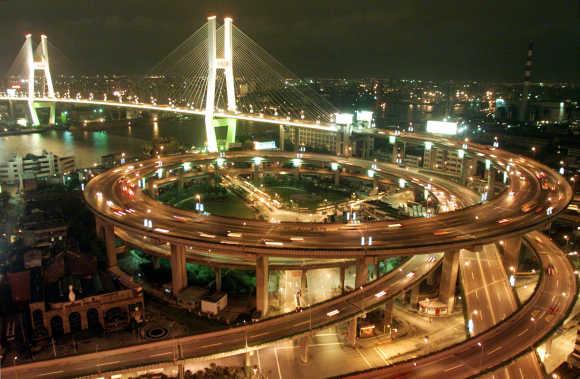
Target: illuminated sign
[
  {"x": 442, "y": 127},
  {"x": 344, "y": 118},
  {"x": 364, "y": 116},
  {"x": 267, "y": 145}
]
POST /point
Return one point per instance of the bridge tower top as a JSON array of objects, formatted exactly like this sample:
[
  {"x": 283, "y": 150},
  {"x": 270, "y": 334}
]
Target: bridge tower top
[
  {"x": 214, "y": 63},
  {"x": 40, "y": 64}
]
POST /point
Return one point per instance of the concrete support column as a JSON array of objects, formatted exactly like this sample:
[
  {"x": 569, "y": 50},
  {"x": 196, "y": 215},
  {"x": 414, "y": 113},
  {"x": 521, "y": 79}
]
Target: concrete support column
[
  {"x": 337, "y": 177},
  {"x": 262, "y": 284},
  {"x": 180, "y": 371},
  {"x": 467, "y": 170},
  {"x": 109, "y": 231},
  {"x": 178, "y": 269},
  {"x": 304, "y": 342},
  {"x": 282, "y": 138},
  {"x": 99, "y": 228},
  {"x": 218, "y": 279},
  {"x": 449, "y": 279},
  {"x": 430, "y": 158},
  {"x": 367, "y": 147},
  {"x": 414, "y": 299},
  {"x": 362, "y": 271},
  {"x": 431, "y": 278},
  {"x": 490, "y": 173},
  {"x": 84, "y": 320},
  {"x": 388, "y": 315},
  {"x": 304, "y": 284},
  {"x": 342, "y": 277},
  {"x": 180, "y": 181},
  {"x": 152, "y": 188},
  {"x": 351, "y": 331},
  {"x": 156, "y": 262},
  {"x": 511, "y": 248},
  {"x": 65, "y": 323}
]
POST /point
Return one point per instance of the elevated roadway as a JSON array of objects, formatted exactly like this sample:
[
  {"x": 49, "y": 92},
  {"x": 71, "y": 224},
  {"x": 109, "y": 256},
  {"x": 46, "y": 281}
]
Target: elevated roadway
[
  {"x": 530, "y": 203},
  {"x": 234, "y": 340},
  {"x": 516, "y": 336}
]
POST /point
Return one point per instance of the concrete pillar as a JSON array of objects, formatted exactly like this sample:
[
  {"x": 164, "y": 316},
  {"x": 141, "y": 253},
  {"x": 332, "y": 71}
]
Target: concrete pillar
[
  {"x": 99, "y": 228},
  {"x": 430, "y": 158},
  {"x": 178, "y": 269},
  {"x": 180, "y": 181},
  {"x": 351, "y": 331},
  {"x": 490, "y": 182},
  {"x": 414, "y": 300},
  {"x": 367, "y": 147},
  {"x": 84, "y": 320},
  {"x": 342, "y": 277},
  {"x": 152, "y": 188},
  {"x": 52, "y": 114},
  {"x": 218, "y": 279},
  {"x": 388, "y": 315},
  {"x": 337, "y": 177},
  {"x": 232, "y": 125},
  {"x": 511, "y": 248},
  {"x": 431, "y": 278},
  {"x": 362, "y": 272},
  {"x": 304, "y": 342},
  {"x": 248, "y": 359},
  {"x": 156, "y": 262},
  {"x": 109, "y": 231},
  {"x": 449, "y": 279},
  {"x": 282, "y": 138},
  {"x": 262, "y": 284},
  {"x": 548, "y": 345},
  {"x": 180, "y": 371},
  {"x": 65, "y": 323}
]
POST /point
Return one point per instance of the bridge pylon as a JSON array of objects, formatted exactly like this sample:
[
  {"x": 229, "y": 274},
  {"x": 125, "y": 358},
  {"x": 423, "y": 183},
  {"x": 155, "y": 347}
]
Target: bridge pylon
[
  {"x": 214, "y": 63},
  {"x": 33, "y": 65}
]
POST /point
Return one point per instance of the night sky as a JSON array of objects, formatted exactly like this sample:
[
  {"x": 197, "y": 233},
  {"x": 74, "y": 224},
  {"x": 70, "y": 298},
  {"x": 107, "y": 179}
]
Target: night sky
[{"x": 429, "y": 39}]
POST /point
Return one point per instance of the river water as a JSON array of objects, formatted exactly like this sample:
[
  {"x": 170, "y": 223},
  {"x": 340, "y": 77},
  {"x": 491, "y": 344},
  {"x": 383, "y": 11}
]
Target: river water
[{"x": 89, "y": 146}]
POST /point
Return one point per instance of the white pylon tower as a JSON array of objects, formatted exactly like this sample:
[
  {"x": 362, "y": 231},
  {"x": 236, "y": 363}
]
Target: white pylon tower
[
  {"x": 33, "y": 66},
  {"x": 215, "y": 63}
]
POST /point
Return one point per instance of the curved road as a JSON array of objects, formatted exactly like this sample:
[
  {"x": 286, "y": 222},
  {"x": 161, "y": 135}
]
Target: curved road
[{"x": 529, "y": 204}]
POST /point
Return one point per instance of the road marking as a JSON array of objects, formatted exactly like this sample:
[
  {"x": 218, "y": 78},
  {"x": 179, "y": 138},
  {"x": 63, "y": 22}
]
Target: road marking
[
  {"x": 213, "y": 344},
  {"x": 363, "y": 357},
  {"x": 108, "y": 363},
  {"x": 278, "y": 363},
  {"x": 302, "y": 323},
  {"x": 522, "y": 332},
  {"x": 259, "y": 334},
  {"x": 454, "y": 367},
  {"x": 51, "y": 373},
  {"x": 382, "y": 355},
  {"x": 161, "y": 354},
  {"x": 494, "y": 350}
]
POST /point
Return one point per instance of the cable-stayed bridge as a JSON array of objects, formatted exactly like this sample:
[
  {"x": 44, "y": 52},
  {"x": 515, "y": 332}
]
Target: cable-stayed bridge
[{"x": 218, "y": 73}]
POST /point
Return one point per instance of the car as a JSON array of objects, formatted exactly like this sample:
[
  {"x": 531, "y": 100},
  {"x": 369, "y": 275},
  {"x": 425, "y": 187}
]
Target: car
[
  {"x": 430, "y": 259},
  {"x": 550, "y": 270}
]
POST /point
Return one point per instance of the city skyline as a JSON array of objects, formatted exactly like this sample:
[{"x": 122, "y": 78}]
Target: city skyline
[
  {"x": 449, "y": 41},
  {"x": 224, "y": 216}
]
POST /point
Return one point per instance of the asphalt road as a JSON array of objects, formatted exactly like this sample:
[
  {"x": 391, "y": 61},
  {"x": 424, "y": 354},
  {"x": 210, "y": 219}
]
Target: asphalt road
[
  {"x": 513, "y": 337},
  {"x": 504, "y": 216},
  {"x": 234, "y": 340}
]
